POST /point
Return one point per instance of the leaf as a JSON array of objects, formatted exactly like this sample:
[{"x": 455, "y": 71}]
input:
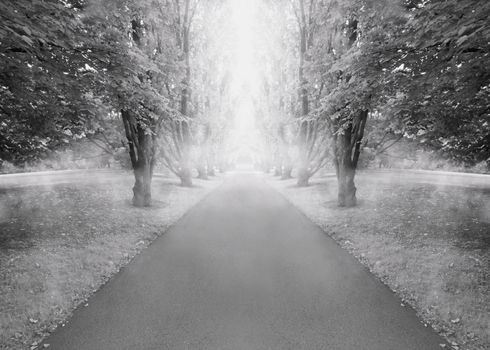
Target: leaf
[
  {"x": 27, "y": 40},
  {"x": 27, "y": 30},
  {"x": 462, "y": 40}
]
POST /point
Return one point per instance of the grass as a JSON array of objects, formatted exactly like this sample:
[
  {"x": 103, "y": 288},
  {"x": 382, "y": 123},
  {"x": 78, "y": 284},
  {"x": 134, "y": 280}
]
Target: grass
[
  {"x": 429, "y": 243},
  {"x": 60, "y": 243}
]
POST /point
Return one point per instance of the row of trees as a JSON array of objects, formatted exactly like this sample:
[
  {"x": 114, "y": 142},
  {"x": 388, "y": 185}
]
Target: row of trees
[
  {"x": 419, "y": 67},
  {"x": 67, "y": 67},
  {"x": 414, "y": 69}
]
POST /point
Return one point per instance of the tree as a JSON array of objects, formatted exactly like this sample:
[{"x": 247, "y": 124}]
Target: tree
[
  {"x": 44, "y": 79},
  {"x": 440, "y": 79},
  {"x": 207, "y": 97},
  {"x": 179, "y": 160},
  {"x": 138, "y": 62},
  {"x": 311, "y": 132},
  {"x": 278, "y": 94},
  {"x": 345, "y": 43}
]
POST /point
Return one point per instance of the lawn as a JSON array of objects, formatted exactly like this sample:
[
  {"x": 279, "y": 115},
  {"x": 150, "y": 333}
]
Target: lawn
[
  {"x": 428, "y": 242},
  {"x": 59, "y": 243}
]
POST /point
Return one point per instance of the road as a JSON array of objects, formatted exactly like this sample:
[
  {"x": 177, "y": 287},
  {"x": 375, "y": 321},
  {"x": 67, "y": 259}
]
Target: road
[{"x": 244, "y": 270}]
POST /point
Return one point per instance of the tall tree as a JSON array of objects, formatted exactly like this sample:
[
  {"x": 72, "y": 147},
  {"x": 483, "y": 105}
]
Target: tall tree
[
  {"x": 344, "y": 72},
  {"x": 183, "y": 12},
  {"x": 306, "y": 13},
  {"x": 138, "y": 63}
]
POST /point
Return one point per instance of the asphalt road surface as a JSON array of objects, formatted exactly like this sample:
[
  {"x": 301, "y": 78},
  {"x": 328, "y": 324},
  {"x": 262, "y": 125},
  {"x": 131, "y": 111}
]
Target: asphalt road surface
[{"x": 244, "y": 270}]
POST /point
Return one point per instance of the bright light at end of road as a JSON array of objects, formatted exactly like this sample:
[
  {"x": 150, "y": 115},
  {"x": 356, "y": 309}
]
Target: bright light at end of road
[{"x": 245, "y": 79}]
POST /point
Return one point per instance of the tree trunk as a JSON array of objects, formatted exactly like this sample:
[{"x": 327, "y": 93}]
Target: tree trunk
[
  {"x": 345, "y": 169},
  {"x": 303, "y": 173},
  {"x": 286, "y": 172},
  {"x": 142, "y": 187},
  {"x": 202, "y": 173},
  {"x": 185, "y": 176},
  {"x": 347, "y": 148},
  {"x": 303, "y": 177},
  {"x": 141, "y": 141},
  {"x": 141, "y": 135},
  {"x": 347, "y": 189}
]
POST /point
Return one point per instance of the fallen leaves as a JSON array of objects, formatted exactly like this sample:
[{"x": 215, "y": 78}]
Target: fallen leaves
[
  {"x": 424, "y": 241},
  {"x": 78, "y": 236}
]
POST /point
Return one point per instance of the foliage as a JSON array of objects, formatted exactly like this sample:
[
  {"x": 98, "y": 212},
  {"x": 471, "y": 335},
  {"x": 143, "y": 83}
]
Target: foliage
[
  {"x": 442, "y": 79},
  {"x": 66, "y": 65},
  {"x": 420, "y": 67},
  {"x": 43, "y": 89}
]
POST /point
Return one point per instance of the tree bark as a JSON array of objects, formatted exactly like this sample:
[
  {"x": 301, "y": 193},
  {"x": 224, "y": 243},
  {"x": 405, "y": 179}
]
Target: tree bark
[
  {"x": 345, "y": 177},
  {"x": 141, "y": 136},
  {"x": 142, "y": 187},
  {"x": 141, "y": 141},
  {"x": 286, "y": 172},
  {"x": 201, "y": 172},
  {"x": 347, "y": 148},
  {"x": 303, "y": 177},
  {"x": 305, "y": 103},
  {"x": 185, "y": 176},
  {"x": 185, "y": 173}
]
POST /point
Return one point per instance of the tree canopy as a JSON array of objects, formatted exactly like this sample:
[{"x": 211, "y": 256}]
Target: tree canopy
[{"x": 311, "y": 76}]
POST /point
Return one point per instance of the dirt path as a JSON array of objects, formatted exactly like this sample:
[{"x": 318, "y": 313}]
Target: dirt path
[{"x": 244, "y": 270}]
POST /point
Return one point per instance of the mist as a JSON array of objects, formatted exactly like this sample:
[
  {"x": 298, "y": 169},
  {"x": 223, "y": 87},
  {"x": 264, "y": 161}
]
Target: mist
[{"x": 253, "y": 174}]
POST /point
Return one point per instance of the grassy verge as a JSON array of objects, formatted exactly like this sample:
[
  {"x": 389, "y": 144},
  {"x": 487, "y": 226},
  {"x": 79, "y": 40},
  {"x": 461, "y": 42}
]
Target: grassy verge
[
  {"x": 60, "y": 243},
  {"x": 429, "y": 243}
]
